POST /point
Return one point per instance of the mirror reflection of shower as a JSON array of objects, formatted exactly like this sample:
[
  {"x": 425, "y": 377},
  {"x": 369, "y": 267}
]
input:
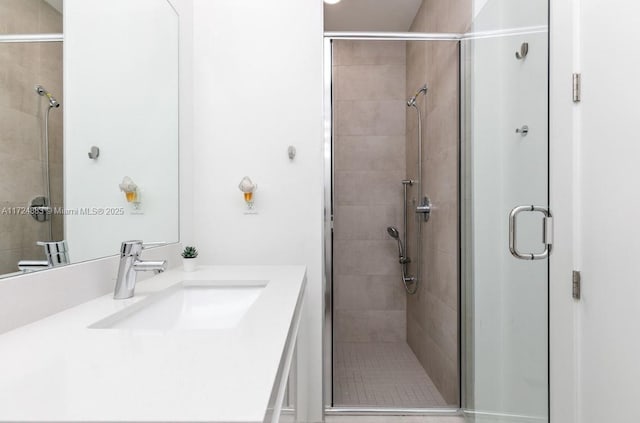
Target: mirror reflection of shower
[
  {"x": 53, "y": 103},
  {"x": 41, "y": 206},
  {"x": 412, "y": 101},
  {"x": 423, "y": 210}
]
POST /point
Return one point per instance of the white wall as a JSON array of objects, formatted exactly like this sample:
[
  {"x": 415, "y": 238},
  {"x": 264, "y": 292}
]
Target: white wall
[
  {"x": 121, "y": 94},
  {"x": 594, "y": 347},
  {"x": 185, "y": 13},
  {"x": 609, "y": 199},
  {"x": 258, "y": 89},
  {"x": 563, "y": 180}
]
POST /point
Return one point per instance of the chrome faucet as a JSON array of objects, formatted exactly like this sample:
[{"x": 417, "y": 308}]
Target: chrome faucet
[
  {"x": 57, "y": 254},
  {"x": 130, "y": 265}
]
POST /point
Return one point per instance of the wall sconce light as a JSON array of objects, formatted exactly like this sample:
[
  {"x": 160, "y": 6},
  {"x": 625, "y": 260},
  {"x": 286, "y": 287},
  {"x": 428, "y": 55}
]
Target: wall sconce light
[
  {"x": 248, "y": 188},
  {"x": 131, "y": 192}
]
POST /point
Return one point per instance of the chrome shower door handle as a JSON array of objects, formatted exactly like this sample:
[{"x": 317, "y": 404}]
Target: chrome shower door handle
[{"x": 547, "y": 232}]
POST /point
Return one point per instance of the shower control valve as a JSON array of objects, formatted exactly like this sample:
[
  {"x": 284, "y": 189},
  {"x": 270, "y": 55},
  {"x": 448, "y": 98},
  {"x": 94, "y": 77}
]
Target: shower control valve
[{"x": 425, "y": 208}]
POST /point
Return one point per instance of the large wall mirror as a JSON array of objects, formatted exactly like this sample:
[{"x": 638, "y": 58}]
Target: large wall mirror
[{"x": 89, "y": 125}]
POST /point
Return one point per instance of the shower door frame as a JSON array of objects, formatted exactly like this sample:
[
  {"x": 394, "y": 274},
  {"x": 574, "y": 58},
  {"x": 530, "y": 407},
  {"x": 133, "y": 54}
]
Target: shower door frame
[
  {"x": 465, "y": 347},
  {"x": 327, "y": 329}
]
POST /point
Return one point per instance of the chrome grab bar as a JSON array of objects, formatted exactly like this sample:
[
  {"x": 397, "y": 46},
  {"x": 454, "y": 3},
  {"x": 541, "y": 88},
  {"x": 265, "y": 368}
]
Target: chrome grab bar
[{"x": 547, "y": 232}]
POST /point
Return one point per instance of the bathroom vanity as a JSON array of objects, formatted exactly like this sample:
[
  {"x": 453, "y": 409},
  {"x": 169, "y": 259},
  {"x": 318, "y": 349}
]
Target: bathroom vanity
[{"x": 214, "y": 345}]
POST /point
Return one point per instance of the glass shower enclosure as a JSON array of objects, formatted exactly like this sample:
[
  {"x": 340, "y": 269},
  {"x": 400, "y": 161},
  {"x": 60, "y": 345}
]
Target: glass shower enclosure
[
  {"x": 506, "y": 223},
  {"x": 504, "y": 219}
]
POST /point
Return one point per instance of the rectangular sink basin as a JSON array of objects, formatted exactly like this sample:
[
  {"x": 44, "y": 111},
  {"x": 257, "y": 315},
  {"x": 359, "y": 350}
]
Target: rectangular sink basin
[{"x": 188, "y": 305}]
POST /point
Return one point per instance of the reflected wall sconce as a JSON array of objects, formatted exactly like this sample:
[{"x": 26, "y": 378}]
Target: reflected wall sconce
[
  {"x": 248, "y": 188},
  {"x": 131, "y": 192}
]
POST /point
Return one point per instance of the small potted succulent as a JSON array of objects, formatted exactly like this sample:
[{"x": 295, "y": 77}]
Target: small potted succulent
[{"x": 189, "y": 259}]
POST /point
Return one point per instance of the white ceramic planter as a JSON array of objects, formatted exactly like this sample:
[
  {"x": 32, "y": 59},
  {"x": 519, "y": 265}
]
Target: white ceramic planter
[{"x": 189, "y": 264}]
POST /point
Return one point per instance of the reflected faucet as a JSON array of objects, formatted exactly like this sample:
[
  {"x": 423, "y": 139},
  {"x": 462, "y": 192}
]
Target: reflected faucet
[
  {"x": 57, "y": 254},
  {"x": 130, "y": 265}
]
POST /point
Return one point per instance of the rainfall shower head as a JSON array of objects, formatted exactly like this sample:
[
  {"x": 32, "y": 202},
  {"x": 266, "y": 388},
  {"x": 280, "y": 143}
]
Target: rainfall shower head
[
  {"x": 412, "y": 100},
  {"x": 393, "y": 232},
  {"x": 43, "y": 92}
]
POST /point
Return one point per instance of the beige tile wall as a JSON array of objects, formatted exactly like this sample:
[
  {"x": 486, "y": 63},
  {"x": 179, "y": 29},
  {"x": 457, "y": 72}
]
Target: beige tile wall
[
  {"x": 369, "y": 165},
  {"x": 432, "y": 314},
  {"x": 22, "y": 66}
]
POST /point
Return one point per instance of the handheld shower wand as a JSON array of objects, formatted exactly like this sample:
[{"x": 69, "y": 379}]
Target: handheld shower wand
[
  {"x": 395, "y": 234},
  {"x": 43, "y": 92}
]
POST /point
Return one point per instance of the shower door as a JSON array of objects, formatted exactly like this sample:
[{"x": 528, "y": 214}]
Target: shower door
[{"x": 505, "y": 240}]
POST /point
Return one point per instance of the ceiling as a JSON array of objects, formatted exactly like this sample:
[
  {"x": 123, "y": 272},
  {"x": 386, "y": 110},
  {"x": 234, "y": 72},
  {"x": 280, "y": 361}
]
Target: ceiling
[{"x": 370, "y": 15}]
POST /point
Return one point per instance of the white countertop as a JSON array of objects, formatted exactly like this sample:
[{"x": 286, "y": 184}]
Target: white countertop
[{"x": 57, "y": 369}]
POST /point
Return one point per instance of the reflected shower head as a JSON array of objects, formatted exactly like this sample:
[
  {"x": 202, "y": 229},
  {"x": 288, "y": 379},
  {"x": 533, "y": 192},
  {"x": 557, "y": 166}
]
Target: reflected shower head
[
  {"x": 412, "y": 100},
  {"x": 393, "y": 232},
  {"x": 43, "y": 92},
  {"x": 53, "y": 102}
]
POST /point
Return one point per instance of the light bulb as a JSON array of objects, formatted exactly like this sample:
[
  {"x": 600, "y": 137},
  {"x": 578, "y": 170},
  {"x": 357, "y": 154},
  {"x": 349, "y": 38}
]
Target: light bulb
[{"x": 332, "y": 1}]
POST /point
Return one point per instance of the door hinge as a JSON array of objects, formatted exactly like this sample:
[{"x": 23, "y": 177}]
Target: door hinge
[
  {"x": 577, "y": 281},
  {"x": 577, "y": 87}
]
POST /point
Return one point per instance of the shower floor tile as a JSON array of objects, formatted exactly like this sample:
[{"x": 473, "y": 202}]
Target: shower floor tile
[{"x": 381, "y": 374}]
